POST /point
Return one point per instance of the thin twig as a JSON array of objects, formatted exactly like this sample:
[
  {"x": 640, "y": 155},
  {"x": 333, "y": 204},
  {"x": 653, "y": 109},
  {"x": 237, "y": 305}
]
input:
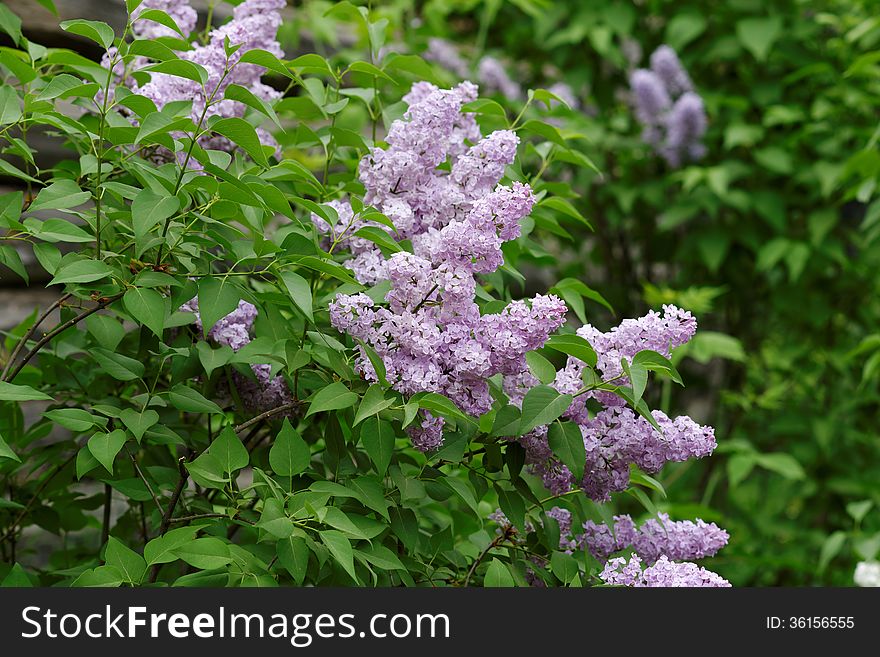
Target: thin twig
[
  {"x": 140, "y": 474},
  {"x": 289, "y": 406},
  {"x": 30, "y": 333},
  {"x": 498, "y": 540},
  {"x": 105, "y": 527},
  {"x": 166, "y": 519},
  {"x": 204, "y": 516},
  {"x": 58, "y": 330}
]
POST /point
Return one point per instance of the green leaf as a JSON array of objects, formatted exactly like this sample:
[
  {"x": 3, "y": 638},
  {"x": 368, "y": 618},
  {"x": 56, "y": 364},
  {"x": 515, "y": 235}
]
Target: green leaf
[
  {"x": 830, "y": 549},
  {"x": 18, "y": 393},
  {"x": 180, "y": 68},
  {"x": 541, "y": 405},
  {"x": 16, "y": 577},
  {"x": 6, "y": 451},
  {"x": 161, "y": 549},
  {"x": 513, "y": 506},
  {"x": 10, "y": 23},
  {"x": 377, "y": 437},
  {"x": 187, "y": 399},
  {"x": 564, "y": 566},
  {"x": 75, "y": 419},
  {"x": 545, "y": 130},
  {"x": 380, "y": 238},
  {"x": 464, "y": 491},
  {"x": 121, "y": 368},
  {"x": 107, "y": 331},
  {"x": 147, "y": 307},
  {"x": 205, "y": 553},
  {"x": 498, "y": 575},
  {"x": 245, "y": 96},
  {"x": 289, "y": 455},
  {"x": 738, "y": 468},
  {"x": 138, "y": 422},
  {"x": 218, "y": 296},
  {"x": 541, "y": 367},
  {"x": 105, "y": 446},
  {"x": 573, "y": 345},
  {"x": 81, "y": 271},
  {"x": 340, "y": 549},
  {"x": 757, "y": 35},
  {"x": 293, "y": 554},
  {"x": 373, "y": 402},
  {"x": 149, "y": 209},
  {"x": 60, "y": 195},
  {"x": 229, "y": 451},
  {"x": 125, "y": 560},
  {"x": 211, "y": 358},
  {"x": 97, "y": 31},
  {"x": 332, "y": 398},
  {"x": 782, "y": 464},
  {"x": 10, "y": 105},
  {"x": 242, "y": 134},
  {"x": 567, "y": 443},
  {"x": 299, "y": 290},
  {"x": 58, "y": 85}
]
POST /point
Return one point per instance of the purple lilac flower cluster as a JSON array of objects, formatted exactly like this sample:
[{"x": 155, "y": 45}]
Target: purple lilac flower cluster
[
  {"x": 254, "y": 25},
  {"x": 615, "y": 437},
  {"x": 445, "y": 54},
  {"x": 432, "y": 337},
  {"x": 663, "y": 574},
  {"x": 264, "y": 391},
  {"x": 683, "y": 540},
  {"x": 671, "y": 113}
]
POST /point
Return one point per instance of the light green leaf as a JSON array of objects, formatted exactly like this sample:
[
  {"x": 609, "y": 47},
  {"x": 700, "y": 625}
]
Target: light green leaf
[
  {"x": 146, "y": 306},
  {"x": 149, "y": 209},
  {"x": 205, "y": 553},
  {"x": 187, "y": 399},
  {"x": 289, "y": 455},
  {"x": 15, "y": 392},
  {"x": 542, "y": 405},
  {"x": 567, "y": 443},
  {"x": 105, "y": 446},
  {"x": 332, "y": 398},
  {"x": 299, "y": 290},
  {"x": 126, "y": 561}
]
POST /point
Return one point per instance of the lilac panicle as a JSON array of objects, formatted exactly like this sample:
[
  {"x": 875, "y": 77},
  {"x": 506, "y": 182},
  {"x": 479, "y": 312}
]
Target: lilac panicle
[
  {"x": 683, "y": 540},
  {"x": 663, "y": 574},
  {"x": 431, "y": 336},
  {"x": 671, "y": 114}
]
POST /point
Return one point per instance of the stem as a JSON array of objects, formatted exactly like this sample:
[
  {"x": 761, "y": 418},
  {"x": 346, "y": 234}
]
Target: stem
[
  {"x": 29, "y": 334},
  {"x": 289, "y": 406},
  {"x": 105, "y": 527},
  {"x": 58, "y": 330},
  {"x": 498, "y": 540},
  {"x": 140, "y": 474},
  {"x": 166, "y": 519}
]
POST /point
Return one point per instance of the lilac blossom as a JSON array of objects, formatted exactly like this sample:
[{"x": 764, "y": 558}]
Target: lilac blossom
[
  {"x": 431, "y": 336},
  {"x": 494, "y": 78},
  {"x": 683, "y": 540},
  {"x": 616, "y": 437},
  {"x": 663, "y": 574},
  {"x": 262, "y": 392},
  {"x": 445, "y": 54},
  {"x": 671, "y": 114}
]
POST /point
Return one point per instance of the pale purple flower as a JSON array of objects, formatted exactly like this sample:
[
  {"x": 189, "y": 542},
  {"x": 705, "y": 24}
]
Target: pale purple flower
[
  {"x": 445, "y": 54},
  {"x": 494, "y": 78},
  {"x": 683, "y": 540},
  {"x": 663, "y": 574}
]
